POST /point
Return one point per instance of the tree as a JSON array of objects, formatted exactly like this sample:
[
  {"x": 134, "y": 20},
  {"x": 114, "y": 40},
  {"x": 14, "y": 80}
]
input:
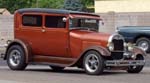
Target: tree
[
  {"x": 87, "y": 3},
  {"x": 13, "y": 5},
  {"x": 49, "y": 4},
  {"x": 78, "y": 5},
  {"x": 74, "y": 5}
]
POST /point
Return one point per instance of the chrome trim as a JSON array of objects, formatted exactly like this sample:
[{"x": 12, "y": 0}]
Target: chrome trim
[
  {"x": 115, "y": 36},
  {"x": 91, "y": 63},
  {"x": 15, "y": 58},
  {"x": 124, "y": 62}
]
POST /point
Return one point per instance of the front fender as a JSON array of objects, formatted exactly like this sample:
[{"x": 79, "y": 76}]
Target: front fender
[
  {"x": 103, "y": 51},
  {"x": 137, "y": 51}
]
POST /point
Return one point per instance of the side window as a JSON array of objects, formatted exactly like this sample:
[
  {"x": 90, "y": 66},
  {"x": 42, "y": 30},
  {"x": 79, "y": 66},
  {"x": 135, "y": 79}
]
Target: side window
[
  {"x": 32, "y": 20},
  {"x": 55, "y": 22}
]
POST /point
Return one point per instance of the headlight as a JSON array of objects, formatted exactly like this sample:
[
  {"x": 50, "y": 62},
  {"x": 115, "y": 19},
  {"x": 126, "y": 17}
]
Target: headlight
[
  {"x": 111, "y": 46},
  {"x": 125, "y": 44},
  {"x": 130, "y": 46}
]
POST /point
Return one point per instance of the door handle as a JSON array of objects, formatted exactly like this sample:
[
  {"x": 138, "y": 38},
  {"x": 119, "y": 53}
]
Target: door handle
[{"x": 43, "y": 30}]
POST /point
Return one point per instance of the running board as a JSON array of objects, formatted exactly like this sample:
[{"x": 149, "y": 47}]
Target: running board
[{"x": 125, "y": 62}]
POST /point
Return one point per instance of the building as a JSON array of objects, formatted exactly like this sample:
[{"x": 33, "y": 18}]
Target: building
[
  {"x": 6, "y": 26},
  {"x": 122, "y": 6},
  {"x": 4, "y": 11},
  {"x": 117, "y": 13}
]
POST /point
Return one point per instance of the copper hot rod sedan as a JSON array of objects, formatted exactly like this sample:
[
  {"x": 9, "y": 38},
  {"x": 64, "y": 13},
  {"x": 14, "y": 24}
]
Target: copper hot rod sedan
[{"x": 61, "y": 38}]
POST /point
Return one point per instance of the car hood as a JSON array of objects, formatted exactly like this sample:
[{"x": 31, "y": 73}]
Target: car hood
[{"x": 91, "y": 36}]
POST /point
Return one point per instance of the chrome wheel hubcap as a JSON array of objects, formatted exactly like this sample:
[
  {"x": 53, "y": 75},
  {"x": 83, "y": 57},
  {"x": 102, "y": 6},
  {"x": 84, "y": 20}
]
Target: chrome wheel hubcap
[
  {"x": 91, "y": 62},
  {"x": 143, "y": 45},
  {"x": 15, "y": 57}
]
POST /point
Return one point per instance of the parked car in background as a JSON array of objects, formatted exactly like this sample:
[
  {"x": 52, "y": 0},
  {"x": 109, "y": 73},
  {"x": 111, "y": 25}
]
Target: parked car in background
[
  {"x": 140, "y": 35},
  {"x": 62, "y": 38}
]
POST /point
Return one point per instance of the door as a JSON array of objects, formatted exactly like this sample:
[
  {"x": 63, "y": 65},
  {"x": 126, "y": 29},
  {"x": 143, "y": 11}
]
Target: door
[
  {"x": 31, "y": 32},
  {"x": 55, "y": 36},
  {"x": 47, "y": 35}
]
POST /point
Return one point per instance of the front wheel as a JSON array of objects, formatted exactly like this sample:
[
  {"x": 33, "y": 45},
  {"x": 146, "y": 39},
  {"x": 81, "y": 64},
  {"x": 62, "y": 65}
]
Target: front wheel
[
  {"x": 93, "y": 63},
  {"x": 16, "y": 58},
  {"x": 136, "y": 69}
]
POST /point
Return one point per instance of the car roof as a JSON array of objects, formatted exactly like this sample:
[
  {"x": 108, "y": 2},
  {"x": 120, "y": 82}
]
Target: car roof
[{"x": 54, "y": 11}]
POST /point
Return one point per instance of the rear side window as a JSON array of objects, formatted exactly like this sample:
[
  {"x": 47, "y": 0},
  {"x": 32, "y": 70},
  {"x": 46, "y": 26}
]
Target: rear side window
[
  {"x": 32, "y": 20},
  {"x": 55, "y": 22}
]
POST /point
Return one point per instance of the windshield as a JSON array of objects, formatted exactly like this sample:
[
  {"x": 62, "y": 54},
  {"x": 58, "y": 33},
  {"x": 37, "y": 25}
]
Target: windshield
[{"x": 84, "y": 23}]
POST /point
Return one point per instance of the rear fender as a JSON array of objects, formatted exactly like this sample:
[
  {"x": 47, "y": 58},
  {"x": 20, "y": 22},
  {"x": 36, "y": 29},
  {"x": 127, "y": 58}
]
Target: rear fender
[{"x": 24, "y": 45}]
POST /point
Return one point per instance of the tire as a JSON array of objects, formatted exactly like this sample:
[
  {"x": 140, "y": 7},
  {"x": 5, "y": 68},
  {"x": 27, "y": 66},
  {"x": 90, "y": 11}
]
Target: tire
[
  {"x": 136, "y": 69},
  {"x": 93, "y": 63},
  {"x": 144, "y": 44},
  {"x": 57, "y": 68},
  {"x": 16, "y": 58}
]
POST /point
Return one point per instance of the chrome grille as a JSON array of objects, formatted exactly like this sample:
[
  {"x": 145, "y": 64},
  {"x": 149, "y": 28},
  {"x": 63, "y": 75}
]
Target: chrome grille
[{"x": 118, "y": 45}]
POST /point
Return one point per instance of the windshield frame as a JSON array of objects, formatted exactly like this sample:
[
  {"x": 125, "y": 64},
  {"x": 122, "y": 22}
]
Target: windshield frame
[{"x": 84, "y": 28}]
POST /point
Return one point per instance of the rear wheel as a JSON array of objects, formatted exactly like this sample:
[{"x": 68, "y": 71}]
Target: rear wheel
[
  {"x": 136, "y": 69},
  {"x": 16, "y": 58},
  {"x": 93, "y": 63},
  {"x": 144, "y": 44}
]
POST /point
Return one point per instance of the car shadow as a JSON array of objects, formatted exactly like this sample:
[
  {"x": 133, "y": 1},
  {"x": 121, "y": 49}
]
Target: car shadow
[
  {"x": 65, "y": 71},
  {"x": 76, "y": 71}
]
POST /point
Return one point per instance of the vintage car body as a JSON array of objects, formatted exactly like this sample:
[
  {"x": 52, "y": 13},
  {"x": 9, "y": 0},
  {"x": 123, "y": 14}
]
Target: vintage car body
[
  {"x": 62, "y": 38},
  {"x": 137, "y": 34}
]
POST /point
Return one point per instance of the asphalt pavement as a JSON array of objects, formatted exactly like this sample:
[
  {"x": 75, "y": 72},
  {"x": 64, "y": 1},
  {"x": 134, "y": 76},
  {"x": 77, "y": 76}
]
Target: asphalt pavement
[{"x": 44, "y": 74}]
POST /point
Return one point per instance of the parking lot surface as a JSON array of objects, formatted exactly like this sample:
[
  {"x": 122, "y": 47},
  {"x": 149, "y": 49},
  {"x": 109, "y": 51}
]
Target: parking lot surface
[{"x": 43, "y": 74}]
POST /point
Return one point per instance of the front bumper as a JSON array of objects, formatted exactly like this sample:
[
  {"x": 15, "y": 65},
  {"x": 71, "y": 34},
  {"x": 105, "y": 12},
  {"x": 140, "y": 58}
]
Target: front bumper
[{"x": 125, "y": 63}]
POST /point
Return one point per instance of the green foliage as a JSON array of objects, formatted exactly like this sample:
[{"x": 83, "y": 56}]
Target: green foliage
[
  {"x": 56, "y": 4},
  {"x": 74, "y": 5},
  {"x": 79, "y": 5},
  {"x": 87, "y": 3},
  {"x": 13, "y": 5}
]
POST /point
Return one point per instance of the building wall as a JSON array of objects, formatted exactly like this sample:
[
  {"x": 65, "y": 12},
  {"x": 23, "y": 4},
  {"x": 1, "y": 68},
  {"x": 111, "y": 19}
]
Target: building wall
[
  {"x": 117, "y": 13},
  {"x": 4, "y": 11},
  {"x": 113, "y": 20},
  {"x": 6, "y": 28},
  {"x": 103, "y": 6}
]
